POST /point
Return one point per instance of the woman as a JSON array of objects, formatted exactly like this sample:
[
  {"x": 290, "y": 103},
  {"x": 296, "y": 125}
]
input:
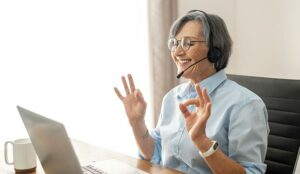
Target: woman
[{"x": 209, "y": 124}]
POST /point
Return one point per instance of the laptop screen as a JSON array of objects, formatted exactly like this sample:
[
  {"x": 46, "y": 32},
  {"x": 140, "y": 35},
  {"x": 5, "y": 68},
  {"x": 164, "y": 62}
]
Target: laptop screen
[
  {"x": 51, "y": 143},
  {"x": 55, "y": 151}
]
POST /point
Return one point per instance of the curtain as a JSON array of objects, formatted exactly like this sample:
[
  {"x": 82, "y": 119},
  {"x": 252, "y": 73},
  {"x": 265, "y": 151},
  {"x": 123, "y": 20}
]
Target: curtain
[{"x": 162, "y": 14}]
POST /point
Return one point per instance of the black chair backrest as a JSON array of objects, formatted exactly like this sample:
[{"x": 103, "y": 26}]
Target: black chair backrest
[{"x": 282, "y": 98}]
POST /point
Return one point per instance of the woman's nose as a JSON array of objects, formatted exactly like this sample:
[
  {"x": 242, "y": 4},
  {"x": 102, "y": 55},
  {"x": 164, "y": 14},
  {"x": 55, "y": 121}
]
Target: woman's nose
[{"x": 178, "y": 51}]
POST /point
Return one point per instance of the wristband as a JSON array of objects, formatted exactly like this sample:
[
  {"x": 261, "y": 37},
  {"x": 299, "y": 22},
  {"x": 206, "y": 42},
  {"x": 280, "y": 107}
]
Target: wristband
[{"x": 213, "y": 148}]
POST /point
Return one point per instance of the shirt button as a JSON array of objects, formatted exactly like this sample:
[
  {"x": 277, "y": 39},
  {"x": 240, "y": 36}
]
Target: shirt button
[{"x": 186, "y": 167}]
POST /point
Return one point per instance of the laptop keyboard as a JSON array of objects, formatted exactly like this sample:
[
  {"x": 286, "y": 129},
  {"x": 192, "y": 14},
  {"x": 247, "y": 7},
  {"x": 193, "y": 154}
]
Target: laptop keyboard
[{"x": 89, "y": 169}]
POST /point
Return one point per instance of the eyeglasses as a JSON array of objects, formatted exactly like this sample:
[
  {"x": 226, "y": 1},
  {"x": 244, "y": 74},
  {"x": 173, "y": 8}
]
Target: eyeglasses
[{"x": 185, "y": 43}]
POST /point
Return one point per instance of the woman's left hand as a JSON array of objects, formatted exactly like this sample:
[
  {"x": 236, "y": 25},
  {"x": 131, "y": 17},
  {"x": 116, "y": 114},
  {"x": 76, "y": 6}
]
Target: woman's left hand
[{"x": 196, "y": 121}]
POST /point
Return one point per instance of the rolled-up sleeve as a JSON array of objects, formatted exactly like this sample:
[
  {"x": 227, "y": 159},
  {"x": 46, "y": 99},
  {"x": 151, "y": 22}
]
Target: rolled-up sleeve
[
  {"x": 248, "y": 132},
  {"x": 156, "y": 157}
]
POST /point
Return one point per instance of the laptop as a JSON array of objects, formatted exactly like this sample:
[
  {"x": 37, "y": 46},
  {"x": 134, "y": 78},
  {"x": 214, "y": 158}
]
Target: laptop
[
  {"x": 297, "y": 164},
  {"x": 55, "y": 151}
]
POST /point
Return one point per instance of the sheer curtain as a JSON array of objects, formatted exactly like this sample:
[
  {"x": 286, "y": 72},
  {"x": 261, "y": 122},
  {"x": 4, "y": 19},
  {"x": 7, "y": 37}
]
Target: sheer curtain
[
  {"x": 62, "y": 58},
  {"x": 162, "y": 14}
]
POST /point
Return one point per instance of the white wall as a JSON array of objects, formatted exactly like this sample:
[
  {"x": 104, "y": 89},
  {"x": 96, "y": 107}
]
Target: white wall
[
  {"x": 265, "y": 33},
  {"x": 62, "y": 58}
]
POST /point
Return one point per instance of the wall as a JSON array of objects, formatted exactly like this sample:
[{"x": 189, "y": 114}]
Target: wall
[
  {"x": 265, "y": 33},
  {"x": 62, "y": 59}
]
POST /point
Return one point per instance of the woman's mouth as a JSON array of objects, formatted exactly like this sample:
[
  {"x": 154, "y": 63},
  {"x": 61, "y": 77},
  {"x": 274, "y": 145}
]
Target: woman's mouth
[{"x": 183, "y": 63}]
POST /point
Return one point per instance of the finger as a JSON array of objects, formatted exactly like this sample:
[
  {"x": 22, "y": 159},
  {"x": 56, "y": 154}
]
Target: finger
[
  {"x": 125, "y": 85},
  {"x": 191, "y": 102},
  {"x": 184, "y": 110},
  {"x": 204, "y": 119},
  {"x": 139, "y": 95},
  {"x": 205, "y": 96},
  {"x": 198, "y": 89},
  {"x": 207, "y": 112},
  {"x": 131, "y": 83},
  {"x": 118, "y": 93}
]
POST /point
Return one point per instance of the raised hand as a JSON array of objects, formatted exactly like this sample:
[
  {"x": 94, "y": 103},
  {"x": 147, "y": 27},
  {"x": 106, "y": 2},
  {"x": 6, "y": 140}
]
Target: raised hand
[
  {"x": 196, "y": 121},
  {"x": 134, "y": 103}
]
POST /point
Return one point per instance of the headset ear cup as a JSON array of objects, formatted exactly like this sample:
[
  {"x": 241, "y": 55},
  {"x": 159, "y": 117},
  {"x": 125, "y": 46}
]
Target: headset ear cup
[{"x": 214, "y": 55}]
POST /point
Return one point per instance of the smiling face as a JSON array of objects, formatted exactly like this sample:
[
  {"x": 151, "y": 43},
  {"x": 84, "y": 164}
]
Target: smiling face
[{"x": 197, "y": 50}]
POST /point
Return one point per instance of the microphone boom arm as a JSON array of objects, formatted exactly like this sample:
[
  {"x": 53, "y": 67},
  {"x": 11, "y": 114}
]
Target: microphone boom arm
[{"x": 181, "y": 73}]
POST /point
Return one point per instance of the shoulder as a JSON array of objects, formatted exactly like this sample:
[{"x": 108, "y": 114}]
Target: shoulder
[
  {"x": 237, "y": 91},
  {"x": 240, "y": 99},
  {"x": 234, "y": 98}
]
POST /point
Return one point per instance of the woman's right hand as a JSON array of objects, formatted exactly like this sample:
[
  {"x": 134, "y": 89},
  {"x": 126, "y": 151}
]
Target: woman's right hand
[{"x": 133, "y": 101}]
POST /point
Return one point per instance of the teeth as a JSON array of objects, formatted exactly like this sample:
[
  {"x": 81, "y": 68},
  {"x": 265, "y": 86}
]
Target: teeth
[{"x": 184, "y": 61}]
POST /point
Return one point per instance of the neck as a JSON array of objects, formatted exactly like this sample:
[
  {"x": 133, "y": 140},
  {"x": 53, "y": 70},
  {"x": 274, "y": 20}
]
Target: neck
[{"x": 203, "y": 75}]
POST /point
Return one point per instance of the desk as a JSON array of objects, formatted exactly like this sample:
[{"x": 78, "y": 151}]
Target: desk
[{"x": 87, "y": 153}]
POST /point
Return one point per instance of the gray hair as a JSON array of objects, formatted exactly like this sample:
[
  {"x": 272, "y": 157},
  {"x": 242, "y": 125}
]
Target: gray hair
[{"x": 220, "y": 36}]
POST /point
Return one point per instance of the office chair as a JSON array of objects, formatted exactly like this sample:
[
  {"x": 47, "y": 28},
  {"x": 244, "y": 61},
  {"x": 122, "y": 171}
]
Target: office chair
[{"x": 282, "y": 98}]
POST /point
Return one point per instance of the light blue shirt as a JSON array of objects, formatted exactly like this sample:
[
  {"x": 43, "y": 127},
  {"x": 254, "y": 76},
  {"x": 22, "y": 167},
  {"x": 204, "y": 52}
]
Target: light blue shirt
[{"x": 238, "y": 122}]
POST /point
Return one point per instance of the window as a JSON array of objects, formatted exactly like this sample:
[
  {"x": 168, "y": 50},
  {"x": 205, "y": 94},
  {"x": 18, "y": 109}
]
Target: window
[{"x": 62, "y": 59}]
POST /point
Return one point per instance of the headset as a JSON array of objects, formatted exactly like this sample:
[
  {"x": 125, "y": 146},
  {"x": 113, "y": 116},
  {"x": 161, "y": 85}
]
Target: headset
[{"x": 214, "y": 54}]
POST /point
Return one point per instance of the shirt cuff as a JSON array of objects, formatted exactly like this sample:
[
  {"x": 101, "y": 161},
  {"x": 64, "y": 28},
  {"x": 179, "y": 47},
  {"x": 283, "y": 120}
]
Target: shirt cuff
[
  {"x": 254, "y": 168},
  {"x": 156, "y": 157}
]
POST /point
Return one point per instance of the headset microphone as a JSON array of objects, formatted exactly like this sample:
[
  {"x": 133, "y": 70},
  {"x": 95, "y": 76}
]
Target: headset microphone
[{"x": 181, "y": 73}]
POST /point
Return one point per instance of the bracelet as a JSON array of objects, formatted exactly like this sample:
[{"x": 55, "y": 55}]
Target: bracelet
[
  {"x": 213, "y": 148},
  {"x": 146, "y": 135}
]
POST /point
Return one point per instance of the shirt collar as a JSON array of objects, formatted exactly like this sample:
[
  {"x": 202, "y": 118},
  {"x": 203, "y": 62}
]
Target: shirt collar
[{"x": 210, "y": 83}]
